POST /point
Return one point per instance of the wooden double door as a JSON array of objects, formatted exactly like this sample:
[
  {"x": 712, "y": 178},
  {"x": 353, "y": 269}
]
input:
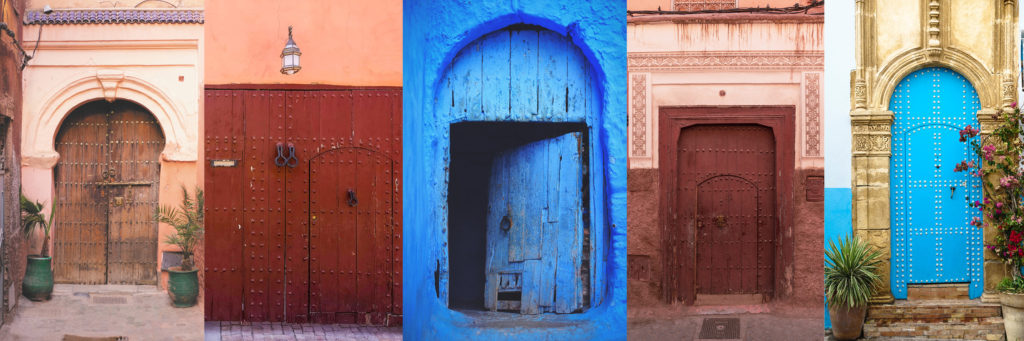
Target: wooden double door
[
  {"x": 303, "y": 205},
  {"x": 724, "y": 180},
  {"x": 107, "y": 185}
]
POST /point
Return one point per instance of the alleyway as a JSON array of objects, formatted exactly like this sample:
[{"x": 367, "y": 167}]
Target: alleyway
[
  {"x": 237, "y": 331},
  {"x": 135, "y": 312},
  {"x": 756, "y": 322}
]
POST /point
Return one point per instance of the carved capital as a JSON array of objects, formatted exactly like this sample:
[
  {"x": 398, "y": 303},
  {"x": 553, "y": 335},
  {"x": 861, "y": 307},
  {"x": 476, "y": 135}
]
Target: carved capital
[
  {"x": 872, "y": 132},
  {"x": 860, "y": 94}
]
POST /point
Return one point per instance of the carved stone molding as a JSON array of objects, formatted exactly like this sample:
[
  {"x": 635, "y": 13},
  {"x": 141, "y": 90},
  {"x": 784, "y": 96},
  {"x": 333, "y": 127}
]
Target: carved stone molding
[
  {"x": 934, "y": 39},
  {"x": 725, "y": 60},
  {"x": 638, "y": 113},
  {"x": 871, "y": 143},
  {"x": 110, "y": 81},
  {"x": 812, "y": 114}
]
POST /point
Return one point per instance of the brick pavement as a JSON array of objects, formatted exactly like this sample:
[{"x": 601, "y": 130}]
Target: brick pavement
[{"x": 275, "y": 331}]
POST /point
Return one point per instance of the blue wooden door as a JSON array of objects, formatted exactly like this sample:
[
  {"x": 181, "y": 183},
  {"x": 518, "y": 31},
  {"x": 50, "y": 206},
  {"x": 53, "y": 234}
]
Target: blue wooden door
[
  {"x": 932, "y": 239},
  {"x": 535, "y": 228}
]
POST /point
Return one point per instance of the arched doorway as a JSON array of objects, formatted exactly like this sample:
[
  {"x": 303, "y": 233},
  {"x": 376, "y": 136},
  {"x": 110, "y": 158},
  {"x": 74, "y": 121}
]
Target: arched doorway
[
  {"x": 106, "y": 184},
  {"x": 930, "y": 107}
]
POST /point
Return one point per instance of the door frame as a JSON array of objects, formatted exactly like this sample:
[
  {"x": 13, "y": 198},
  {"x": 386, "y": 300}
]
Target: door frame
[{"x": 672, "y": 120}]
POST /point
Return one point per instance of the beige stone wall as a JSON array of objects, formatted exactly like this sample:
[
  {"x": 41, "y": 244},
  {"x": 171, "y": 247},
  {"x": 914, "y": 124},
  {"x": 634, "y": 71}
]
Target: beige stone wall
[{"x": 976, "y": 38}]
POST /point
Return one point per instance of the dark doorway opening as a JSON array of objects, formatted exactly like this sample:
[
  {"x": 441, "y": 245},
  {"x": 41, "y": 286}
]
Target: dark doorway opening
[{"x": 477, "y": 150}]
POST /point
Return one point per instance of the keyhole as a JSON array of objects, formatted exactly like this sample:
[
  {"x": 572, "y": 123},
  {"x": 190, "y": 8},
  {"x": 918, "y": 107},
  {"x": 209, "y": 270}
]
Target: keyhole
[{"x": 505, "y": 224}]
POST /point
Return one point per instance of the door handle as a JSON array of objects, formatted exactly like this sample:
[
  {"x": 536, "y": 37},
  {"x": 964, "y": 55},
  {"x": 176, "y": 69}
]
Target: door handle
[
  {"x": 352, "y": 199},
  {"x": 952, "y": 190}
]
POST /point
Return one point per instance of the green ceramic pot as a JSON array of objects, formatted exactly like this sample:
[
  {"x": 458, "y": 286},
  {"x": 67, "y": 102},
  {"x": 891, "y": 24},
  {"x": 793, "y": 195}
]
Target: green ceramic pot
[
  {"x": 38, "y": 282},
  {"x": 183, "y": 286}
]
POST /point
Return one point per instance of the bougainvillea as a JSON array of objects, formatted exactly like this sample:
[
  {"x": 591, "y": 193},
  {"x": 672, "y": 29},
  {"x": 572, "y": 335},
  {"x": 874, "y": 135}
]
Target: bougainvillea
[{"x": 1000, "y": 170}]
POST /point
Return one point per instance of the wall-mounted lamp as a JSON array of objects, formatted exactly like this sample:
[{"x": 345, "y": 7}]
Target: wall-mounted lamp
[{"x": 290, "y": 56}]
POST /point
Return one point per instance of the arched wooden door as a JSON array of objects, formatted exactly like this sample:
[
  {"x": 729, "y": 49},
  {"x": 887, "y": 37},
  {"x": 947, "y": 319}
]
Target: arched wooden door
[
  {"x": 351, "y": 198},
  {"x": 930, "y": 107},
  {"x": 726, "y": 199},
  {"x": 107, "y": 183}
]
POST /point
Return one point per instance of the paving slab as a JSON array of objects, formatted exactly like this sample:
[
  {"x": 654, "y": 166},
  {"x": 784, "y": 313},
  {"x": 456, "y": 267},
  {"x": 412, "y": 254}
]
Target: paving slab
[
  {"x": 138, "y": 312},
  {"x": 756, "y": 322}
]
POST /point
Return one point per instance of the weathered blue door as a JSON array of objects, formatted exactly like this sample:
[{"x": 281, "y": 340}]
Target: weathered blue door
[
  {"x": 535, "y": 228},
  {"x": 932, "y": 239}
]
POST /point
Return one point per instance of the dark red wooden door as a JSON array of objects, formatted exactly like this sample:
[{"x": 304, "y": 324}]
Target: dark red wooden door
[
  {"x": 284, "y": 236},
  {"x": 726, "y": 185}
]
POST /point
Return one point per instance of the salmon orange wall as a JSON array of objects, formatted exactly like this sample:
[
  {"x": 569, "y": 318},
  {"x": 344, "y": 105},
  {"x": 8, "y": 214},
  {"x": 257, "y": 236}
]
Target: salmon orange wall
[{"x": 342, "y": 42}]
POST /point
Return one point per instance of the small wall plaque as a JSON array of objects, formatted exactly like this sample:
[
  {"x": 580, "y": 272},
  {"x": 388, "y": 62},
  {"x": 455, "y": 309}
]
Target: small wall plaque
[{"x": 223, "y": 163}]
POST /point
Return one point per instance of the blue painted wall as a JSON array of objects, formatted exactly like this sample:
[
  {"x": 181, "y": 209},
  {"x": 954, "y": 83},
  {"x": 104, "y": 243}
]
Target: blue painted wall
[
  {"x": 434, "y": 32},
  {"x": 838, "y": 220}
]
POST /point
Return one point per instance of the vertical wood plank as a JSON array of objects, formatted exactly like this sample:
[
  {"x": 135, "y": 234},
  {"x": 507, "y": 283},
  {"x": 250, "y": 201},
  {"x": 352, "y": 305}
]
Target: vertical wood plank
[
  {"x": 496, "y": 48},
  {"x": 569, "y": 222},
  {"x": 553, "y": 50},
  {"x": 524, "y": 78}
]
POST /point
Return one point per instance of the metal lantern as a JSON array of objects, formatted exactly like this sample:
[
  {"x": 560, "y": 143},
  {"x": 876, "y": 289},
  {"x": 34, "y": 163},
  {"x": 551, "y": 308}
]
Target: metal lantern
[{"x": 290, "y": 56}]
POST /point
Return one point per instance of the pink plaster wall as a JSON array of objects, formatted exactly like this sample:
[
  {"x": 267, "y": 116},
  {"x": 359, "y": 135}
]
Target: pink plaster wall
[{"x": 342, "y": 42}]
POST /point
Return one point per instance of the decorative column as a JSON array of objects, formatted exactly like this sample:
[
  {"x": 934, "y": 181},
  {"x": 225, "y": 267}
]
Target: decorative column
[
  {"x": 994, "y": 269},
  {"x": 872, "y": 139}
]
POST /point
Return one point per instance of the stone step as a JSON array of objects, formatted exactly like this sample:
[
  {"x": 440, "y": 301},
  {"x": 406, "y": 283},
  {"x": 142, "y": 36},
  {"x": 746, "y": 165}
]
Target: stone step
[
  {"x": 990, "y": 328},
  {"x": 935, "y": 319}
]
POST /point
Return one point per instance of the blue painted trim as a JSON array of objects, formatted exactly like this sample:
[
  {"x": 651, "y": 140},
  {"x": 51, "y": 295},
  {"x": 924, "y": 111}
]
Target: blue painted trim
[
  {"x": 838, "y": 221},
  {"x": 434, "y": 32}
]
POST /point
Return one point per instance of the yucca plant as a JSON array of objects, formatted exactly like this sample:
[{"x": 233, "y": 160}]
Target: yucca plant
[
  {"x": 187, "y": 220},
  {"x": 851, "y": 273},
  {"x": 32, "y": 217}
]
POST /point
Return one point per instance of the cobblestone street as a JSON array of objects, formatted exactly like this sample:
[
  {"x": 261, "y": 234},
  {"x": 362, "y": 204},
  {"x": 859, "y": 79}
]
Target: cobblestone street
[
  {"x": 239, "y": 331},
  {"x": 136, "y": 312}
]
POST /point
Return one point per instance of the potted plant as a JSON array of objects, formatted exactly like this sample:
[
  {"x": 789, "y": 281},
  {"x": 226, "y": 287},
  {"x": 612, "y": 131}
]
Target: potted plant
[
  {"x": 998, "y": 164},
  {"x": 38, "y": 282},
  {"x": 851, "y": 278},
  {"x": 187, "y": 220}
]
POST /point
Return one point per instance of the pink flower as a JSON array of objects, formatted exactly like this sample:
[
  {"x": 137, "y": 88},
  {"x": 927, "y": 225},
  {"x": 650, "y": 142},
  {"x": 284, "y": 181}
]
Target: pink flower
[
  {"x": 989, "y": 151},
  {"x": 1008, "y": 181}
]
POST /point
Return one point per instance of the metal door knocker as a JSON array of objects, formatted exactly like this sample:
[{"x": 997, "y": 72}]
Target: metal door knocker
[
  {"x": 952, "y": 190},
  {"x": 289, "y": 160},
  {"x": 352, "y": 200}
]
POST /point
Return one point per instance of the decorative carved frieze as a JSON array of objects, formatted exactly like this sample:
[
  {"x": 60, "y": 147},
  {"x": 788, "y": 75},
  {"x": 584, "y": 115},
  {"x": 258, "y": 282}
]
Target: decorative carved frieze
[
  {"x": 812, "y": 114},
  {"x": 724, "y": 60},
  {"x": 638, "y": 116}
]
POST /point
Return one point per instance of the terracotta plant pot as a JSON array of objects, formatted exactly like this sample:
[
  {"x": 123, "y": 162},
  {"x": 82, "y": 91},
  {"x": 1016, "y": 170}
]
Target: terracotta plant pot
[
  {"x": 38, "y": 282},
  {"x": 847, "y": 322},
  {"x": 183, "y": 287},
  {"x": 1013, "y": 315}
]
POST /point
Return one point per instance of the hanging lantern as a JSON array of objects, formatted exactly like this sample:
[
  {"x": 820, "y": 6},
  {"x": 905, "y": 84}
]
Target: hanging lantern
[{"x": 290, "y": 56}]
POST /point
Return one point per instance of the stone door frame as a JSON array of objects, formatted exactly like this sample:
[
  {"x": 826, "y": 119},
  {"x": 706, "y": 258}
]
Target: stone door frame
[{"x": 872, "y": 85}]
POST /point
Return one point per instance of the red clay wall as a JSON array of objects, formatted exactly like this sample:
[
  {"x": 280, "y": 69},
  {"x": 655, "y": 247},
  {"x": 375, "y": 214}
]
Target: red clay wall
[
  {"x": 14, "y": 247},
  {"x": 801, "y": 287}
]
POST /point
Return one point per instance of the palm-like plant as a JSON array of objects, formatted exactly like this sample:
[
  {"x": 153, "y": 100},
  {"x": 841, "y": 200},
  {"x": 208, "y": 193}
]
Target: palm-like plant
[
  {"x": 851, "y": 273},
  {"x": 32, "y": 216},
  {"x": 187, "y": 220}
]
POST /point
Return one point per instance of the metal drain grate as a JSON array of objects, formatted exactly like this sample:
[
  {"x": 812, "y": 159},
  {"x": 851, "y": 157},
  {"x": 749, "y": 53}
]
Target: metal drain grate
[
  {"x": 720, "y": 328},
  {"x": 109, "y": 299}
]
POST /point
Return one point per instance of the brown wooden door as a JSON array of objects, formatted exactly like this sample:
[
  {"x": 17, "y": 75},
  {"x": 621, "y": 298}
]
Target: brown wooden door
[
  {"x": 107, "y": 183},
  {"x": 726, "y": 189}
]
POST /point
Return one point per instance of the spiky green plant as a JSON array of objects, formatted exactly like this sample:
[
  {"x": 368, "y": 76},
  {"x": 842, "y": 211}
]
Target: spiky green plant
[
  {"x": 32, "y": 217},
  {"x": 187, "y": 220},
  {"x": 851, "y": 273}
]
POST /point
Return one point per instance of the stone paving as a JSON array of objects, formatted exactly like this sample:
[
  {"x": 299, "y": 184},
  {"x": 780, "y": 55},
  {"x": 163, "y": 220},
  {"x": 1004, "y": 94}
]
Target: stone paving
[
  {"x": 255, "y": 331},
  {"x": 135, "y": 312},
  {"x": 756, "y": 323}
]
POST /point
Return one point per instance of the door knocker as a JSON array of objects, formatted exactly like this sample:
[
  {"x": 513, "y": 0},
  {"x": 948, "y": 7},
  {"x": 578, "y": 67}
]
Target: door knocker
[
  {"x": 352, "y": 200},
  {"x": 282, "y": 160}
]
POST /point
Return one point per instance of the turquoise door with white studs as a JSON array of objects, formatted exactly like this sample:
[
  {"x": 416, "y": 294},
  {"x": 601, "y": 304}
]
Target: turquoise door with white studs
[{"x": 932, "y": 240}]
